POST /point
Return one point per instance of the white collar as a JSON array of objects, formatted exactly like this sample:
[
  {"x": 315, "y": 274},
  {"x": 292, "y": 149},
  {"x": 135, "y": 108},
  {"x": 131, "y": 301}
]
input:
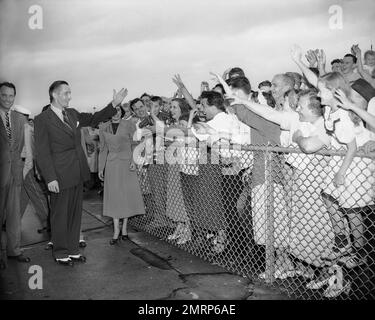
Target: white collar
[{"x": 55, "y": 109}]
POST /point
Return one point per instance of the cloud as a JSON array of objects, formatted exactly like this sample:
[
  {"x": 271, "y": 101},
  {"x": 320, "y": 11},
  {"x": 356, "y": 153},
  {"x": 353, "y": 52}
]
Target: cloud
[{"x": 142, "y": 44}]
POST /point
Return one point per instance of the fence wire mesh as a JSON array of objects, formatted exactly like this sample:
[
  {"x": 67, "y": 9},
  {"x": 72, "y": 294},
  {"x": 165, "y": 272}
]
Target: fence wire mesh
[{"x": 270, "y": 214}]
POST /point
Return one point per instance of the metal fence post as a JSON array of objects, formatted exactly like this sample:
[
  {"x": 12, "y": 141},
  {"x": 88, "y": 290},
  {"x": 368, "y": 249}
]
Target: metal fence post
[{"x": 270, "y": 250}]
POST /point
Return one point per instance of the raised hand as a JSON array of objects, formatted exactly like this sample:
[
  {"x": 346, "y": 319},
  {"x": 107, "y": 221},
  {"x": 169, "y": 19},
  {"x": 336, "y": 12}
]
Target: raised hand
[
  {"x": 296, "y": 53},
  {"x": 311, "y": 57},
  {"x": 177, "y": 81},
  {"x": 339, "y": 179},
  {"x": 118, "y": 97},
  {"x": 356, "y": 50},
  {"x": 101, "y": 175},
  {"x": 53, "y": 186},
  {"x": 217, "y": 77},
  {"x": 321, "y": 57},
  {"x": 343, "y": 100}
]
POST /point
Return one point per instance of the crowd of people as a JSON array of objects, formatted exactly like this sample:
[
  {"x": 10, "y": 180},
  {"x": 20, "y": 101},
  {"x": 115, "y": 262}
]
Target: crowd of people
[{"x": 168, "y": 159}]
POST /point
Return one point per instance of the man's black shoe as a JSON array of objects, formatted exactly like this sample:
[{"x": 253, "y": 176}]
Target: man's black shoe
[
  {"x": 77, "y": 258},
  {"x": 49, "y": 246},
  {"x": 65, "y": 262},
  {"x": 20, "y": 258},
  {"x": 82, "y": 244}
]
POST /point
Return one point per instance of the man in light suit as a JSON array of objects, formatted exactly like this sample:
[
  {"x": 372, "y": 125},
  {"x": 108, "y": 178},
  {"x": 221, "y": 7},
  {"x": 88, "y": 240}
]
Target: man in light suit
[
  {"x": 64, "y": 167},
  {"x": 12, "y": 130}
]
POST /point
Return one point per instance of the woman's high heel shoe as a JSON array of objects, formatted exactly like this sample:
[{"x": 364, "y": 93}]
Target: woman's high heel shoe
[
  {"x": 122, "y": 236},
  {"x": 114, "y": 241}
]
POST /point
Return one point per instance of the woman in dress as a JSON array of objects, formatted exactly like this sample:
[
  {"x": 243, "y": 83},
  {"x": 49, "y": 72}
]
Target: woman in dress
[
  {"x": 175, "y": 207},
  {"x": 122, "y": 192},
  {"x": 351, "y": 183}
]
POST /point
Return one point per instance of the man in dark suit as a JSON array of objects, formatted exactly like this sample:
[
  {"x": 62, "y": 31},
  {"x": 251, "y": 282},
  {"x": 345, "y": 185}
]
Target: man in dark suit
[
  {"x": 12, "y": 130},
  {"x": 64, "y": 167}
]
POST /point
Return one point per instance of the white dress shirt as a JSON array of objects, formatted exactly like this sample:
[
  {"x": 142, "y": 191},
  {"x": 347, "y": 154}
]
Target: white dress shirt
[
  {"x": 58, "y": 112},
  {"x": 2, "y": 114}
]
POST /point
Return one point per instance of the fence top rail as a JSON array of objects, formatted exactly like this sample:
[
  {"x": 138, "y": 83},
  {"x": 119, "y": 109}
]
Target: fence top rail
[
  {"x": 272, "y": 148},
  {"x": 323, "y": 152}
]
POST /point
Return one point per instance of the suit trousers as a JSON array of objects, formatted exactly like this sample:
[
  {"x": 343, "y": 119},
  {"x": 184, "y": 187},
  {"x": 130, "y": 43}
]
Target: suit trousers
[
  {"x": 4, "y": 191},
  {"x": 33, "y": 191},
  {"x": 10, "y": 202},
  {"x": 66, "y": 214}
]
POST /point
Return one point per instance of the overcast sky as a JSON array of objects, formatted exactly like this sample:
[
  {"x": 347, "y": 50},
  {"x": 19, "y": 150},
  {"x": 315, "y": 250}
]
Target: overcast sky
[{"x": 140, "y": 44}]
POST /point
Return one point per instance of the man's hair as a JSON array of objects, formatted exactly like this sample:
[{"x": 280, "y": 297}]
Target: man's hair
[
  {"x": 336, "y": 61},
  {"x": 334, "y": 81},
  {"x": 314, "y": 101},
  {"x": 45, "y": 107},
  {"x": 292, "y": 96},
  {"x": 265, "y": 83},
  {"x": 352, "y": 56},
  {"x": 287, "y": 81},
  {"x": 267, "y": 95},
  {"x": 214, "y": 99},
  {"x": 315, "y": 70},
  {"x": 158, "y": 100},
  {"x": 8, "y": 85},
  {"x": 184, "y": 107},
  {"x": 133, "y": 102},
  {"x": 219, "y": 85},
  {"x": 369, "y": 53},
  {"x": 236, "y": 72},
  {"x": 122, "y": 111},
  {"x": 55, "y": 85},
  {"x": 242, "y": 83},
  {"x": 145, "y": 95},
  {"x": 296, "y": 77}
]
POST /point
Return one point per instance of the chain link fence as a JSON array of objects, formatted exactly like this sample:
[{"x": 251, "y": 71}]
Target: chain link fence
[{"x": 270, "y": 214}]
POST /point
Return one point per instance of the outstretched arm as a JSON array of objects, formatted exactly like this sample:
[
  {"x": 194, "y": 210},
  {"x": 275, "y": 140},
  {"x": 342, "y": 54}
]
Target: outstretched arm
[
  {"x": 321, "y": 56},
  {"x": 308, "y": 144},
  {"x": 93, "y": 119},
  {"x": 339, "y": 178},
  {"x": 296, "y": 53},
  {"x": 261, "y": 110},
  {"x": 364, "y": 74},
  {"x": 217, "y": 77},
  {"x": 189, "y": 98},
  {"x": 346, "y": 104}
]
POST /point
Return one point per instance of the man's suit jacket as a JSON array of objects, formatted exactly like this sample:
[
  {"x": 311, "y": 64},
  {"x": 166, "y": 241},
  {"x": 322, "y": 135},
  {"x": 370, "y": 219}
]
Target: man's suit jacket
[
  {"x": 59, "y": 153},
  {"x": 11, "y": 163}
]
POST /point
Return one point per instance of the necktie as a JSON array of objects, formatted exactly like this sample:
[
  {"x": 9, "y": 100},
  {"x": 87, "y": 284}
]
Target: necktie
[
  {"x": 66, "y": 119},
  {"x": 7, "y": 126}
]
